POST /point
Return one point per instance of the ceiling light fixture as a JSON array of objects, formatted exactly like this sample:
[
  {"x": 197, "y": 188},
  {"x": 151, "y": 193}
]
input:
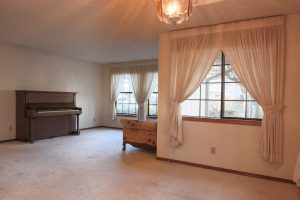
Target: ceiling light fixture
[{"x": 173, "y": 11}]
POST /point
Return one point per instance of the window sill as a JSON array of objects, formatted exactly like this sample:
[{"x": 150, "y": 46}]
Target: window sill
[
  {"x": 135, "y": 116},
  {"x": 151, "y": 117},
  {"x": 249, "y": 122},
  {"x": 126, "y": 115}
]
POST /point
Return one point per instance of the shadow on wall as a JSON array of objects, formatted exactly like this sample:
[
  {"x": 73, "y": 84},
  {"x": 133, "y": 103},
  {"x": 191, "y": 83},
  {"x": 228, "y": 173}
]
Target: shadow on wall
[{"x": 7, "y": 115}]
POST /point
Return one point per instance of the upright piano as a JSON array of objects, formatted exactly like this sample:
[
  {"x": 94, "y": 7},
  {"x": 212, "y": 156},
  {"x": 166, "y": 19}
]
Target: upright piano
[{"x": 44, "y": 114}]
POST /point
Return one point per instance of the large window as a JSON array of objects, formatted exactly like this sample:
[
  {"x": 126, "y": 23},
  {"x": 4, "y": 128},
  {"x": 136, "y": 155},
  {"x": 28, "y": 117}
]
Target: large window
[
  {"x": 127, "y": 105},
  {"x": 221, "y": 95}
]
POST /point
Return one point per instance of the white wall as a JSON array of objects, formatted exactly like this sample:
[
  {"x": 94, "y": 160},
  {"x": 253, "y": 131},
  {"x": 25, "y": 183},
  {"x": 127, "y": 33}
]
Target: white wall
[
  {"x": 236, "y": 145},
  {"x": 23, "y": 69}
]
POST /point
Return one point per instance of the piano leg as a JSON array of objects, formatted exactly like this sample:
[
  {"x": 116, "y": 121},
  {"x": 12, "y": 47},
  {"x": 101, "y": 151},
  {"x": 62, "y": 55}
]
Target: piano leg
[
  {"x": 77, "y": 126},
  {"x": 30, "y": 139},
  {"x": 77, "y": 132}
]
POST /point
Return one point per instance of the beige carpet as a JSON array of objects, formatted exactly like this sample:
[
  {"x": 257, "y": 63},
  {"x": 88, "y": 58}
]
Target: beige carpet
[{"x": 93, "y": 166}]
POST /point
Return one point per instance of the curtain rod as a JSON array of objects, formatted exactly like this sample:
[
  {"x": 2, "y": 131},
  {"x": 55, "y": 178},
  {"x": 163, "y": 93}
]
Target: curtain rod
[{"x": 139, "y": 62}]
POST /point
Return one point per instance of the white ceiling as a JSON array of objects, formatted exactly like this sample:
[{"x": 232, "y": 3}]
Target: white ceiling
[{"x": 105, "y": 31}]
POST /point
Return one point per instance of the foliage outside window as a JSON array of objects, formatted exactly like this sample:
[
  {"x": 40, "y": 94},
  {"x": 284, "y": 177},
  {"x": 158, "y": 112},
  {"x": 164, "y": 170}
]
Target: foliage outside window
[
  {"x": 221, "y": 95},
  {"x": 127, "y": 105}
]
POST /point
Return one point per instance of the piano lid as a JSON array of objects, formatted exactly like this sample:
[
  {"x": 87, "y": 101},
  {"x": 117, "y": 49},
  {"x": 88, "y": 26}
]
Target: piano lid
[{"x": 37, "y": 91}]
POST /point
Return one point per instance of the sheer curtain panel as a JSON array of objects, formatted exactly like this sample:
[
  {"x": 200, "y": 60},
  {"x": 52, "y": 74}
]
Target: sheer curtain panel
[
  {"x": 143, "y": 80},
  {"x": 116, "y": 82},
  {"x": 256, "y": 55},
  {"x": 192, "y": 58}
]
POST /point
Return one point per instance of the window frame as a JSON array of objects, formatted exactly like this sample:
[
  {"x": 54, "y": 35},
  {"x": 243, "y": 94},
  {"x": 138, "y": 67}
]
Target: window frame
[
  {"x": 135, "y": 115},
  {"x": 222, "y": 118}
]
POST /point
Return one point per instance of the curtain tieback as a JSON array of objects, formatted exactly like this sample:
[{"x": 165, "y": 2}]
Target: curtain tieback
[
  {"x": 112, "y": 103},
  {"x": 141, "y": 104},
  {"x": 273, "y": 108},
  {"x": 175, "y": 105}
]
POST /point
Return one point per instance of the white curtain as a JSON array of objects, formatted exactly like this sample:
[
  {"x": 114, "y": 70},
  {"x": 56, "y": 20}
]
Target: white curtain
[
  {"x": 143, "y": 80},
  {"x": 116, "y": 83},
  {"x": 255, "y": 49},
  {"x": 256, "y": 55},
  {"x": 296, "y": 177},
  {"x": 192, "y": 58}
]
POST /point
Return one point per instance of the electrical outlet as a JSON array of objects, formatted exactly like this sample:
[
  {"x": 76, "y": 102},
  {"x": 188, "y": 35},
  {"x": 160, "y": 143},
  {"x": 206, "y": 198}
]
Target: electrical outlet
[
  {"x": 94, "y": 119},
  {"x": 213, "y": 150},
  {"x": 10, "y": 128}
]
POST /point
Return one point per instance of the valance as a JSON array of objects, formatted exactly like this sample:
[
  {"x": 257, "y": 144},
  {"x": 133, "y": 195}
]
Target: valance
[
  {"x": 227, "y": 27},
  {"x": 130, "y": 67}
]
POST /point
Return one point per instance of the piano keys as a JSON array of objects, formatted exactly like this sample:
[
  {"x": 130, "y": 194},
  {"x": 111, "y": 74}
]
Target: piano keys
[
  {"x": 43, "y": 114},
  {"x": 55, "y": 112}
]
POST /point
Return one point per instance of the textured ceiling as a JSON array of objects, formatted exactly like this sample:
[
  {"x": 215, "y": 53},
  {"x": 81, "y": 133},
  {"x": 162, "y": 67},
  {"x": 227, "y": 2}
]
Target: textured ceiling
[{"x": 106, "y": 31}]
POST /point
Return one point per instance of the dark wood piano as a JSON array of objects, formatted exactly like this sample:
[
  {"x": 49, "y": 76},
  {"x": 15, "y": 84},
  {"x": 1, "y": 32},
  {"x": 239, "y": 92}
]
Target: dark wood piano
[{"x": 43, "y": 114}]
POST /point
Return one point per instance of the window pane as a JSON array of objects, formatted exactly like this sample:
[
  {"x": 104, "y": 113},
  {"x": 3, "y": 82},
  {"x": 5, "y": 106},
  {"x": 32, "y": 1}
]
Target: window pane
[
  {"x": 132, "y": 98},
  {"x": 230, "y": 75},
  {"x": 211, "y": 91},
  {"x": 190, "y": 108},
  {"x": 132, "y": 108},
  {"x": 226, "y": 60},
  {"x": 119, "y": 108},
  {"x": 153, "y": 104},
  {"x": 152, "y": 110},
  {"x": 120, "y": 98},
  {"x": 125, "y": 97},
  {"x": 234, "y": 109},
  {"x": 126, "y": 87},
  {"x": 214, "y": 75},
  {"x": 210, "y": 109},
  {"x": 218, "y": 60},
  {"x": 254, "y": 110},
  {"x": 125, "y": 108},
  {"x": 235, "y": 91},
  {"x": 153, "y": 99},
  {"x": 196, "y": 94},
  {"x": 249, "y": 97}
]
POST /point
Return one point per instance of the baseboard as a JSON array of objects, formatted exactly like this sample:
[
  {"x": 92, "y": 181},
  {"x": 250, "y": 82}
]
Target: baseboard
[
  {"x": 111, "y": 127},
  {"x": 11, "y": 140},
  {"x": 82, "y": 129},
  {"x": 271, "y": 178}
]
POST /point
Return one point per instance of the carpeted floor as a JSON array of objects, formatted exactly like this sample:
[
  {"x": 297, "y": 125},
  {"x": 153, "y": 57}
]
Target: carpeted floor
[{"x": 93, "y": 166}]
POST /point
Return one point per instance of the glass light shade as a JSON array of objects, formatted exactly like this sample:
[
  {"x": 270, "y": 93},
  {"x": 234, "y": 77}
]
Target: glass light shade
[{"x": 174, "y": 11}]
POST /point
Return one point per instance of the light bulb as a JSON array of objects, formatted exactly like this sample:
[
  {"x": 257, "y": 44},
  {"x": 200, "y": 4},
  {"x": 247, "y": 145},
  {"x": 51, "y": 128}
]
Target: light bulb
[{"x": 172, "y": 8}]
